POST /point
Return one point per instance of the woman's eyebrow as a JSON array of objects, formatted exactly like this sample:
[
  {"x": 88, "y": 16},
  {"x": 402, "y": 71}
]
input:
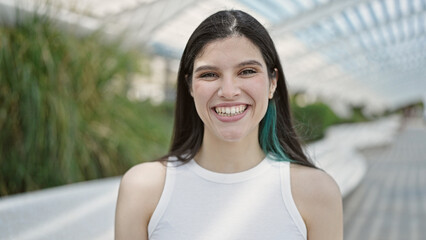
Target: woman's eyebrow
[
  {"x": 242, "y": 64},
  {"x": 205, "y": 67},
  {"x": 249, "y": 62}
]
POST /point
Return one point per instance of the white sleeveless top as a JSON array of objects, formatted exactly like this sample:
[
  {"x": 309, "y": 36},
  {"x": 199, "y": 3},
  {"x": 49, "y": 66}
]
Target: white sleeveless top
[{"x": 198, "y": 204}]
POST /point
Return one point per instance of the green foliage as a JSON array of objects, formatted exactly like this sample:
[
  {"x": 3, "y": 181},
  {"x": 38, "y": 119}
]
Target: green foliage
[
  {"x": 64, "y": 115},
  {"x": 312, "y": 120},
  {"x": 357, "y": 116}
]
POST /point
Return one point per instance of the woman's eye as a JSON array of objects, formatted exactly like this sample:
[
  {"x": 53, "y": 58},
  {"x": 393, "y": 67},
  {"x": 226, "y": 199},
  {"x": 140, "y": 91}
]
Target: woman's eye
[
  {"x": 248, "y": 72},
  {"x": 208, "y": 75}
]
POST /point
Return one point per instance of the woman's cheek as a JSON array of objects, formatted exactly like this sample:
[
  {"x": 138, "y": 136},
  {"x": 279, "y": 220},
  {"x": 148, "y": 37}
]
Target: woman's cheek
[
  {"x": 202, "y": 90},
  {"x": 257, "y": 89},
  {"x": 200, "y": 95}
]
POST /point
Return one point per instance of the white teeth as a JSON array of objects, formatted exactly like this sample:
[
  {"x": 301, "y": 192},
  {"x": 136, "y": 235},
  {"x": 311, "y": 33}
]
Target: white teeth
[{"x": 230, "y": 111}]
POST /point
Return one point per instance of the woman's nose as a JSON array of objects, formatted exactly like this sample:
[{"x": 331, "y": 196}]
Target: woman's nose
[{"x": 229, "y": 88}]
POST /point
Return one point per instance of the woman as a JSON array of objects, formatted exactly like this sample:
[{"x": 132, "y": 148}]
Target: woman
[{"x": 235, "y": 169}]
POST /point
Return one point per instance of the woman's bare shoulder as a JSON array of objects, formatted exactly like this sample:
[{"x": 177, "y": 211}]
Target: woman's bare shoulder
[
  {"x": 145, "y": 176},
  {"x": 140, "y": 191},
  {"x": 311, "y": 181},
  {"x": 319, "y": 201}
]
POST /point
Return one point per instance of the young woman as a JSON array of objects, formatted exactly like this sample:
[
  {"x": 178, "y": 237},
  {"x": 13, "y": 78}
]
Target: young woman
[{"x": 236, "y": 169}]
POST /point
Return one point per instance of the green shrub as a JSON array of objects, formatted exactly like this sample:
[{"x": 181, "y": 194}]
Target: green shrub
[
  {"x": 64, "y": 115},
  {"x": 312, "y": 120}
]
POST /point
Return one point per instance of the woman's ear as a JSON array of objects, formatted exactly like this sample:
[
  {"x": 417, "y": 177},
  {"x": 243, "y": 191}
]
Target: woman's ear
[
  {"x": 273, "y": 84},
  {"x": 189, "y": 85}
]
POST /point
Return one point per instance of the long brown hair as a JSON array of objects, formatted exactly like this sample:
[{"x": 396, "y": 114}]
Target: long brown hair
[{"x": 188, "y": 127}]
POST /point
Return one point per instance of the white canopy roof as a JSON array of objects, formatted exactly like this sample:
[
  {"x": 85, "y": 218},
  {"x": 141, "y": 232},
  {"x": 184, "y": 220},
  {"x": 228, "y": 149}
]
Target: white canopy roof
[{"x": 369, "y": 53}]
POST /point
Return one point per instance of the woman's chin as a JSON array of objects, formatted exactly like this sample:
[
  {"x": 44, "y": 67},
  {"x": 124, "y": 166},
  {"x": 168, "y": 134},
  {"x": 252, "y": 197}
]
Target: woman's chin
[{"x": 231, "y": 136}]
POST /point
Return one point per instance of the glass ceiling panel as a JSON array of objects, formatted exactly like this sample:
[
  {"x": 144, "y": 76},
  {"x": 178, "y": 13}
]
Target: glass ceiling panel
[{"x": 369, "y": 52}]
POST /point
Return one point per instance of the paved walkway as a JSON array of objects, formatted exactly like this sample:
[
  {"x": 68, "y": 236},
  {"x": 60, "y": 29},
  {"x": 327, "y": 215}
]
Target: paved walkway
[{"x": 390, "y": 203}]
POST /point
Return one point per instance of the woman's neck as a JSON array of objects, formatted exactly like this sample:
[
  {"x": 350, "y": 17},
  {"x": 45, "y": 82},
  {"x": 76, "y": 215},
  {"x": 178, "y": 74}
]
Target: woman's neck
[{"x": 229, "y": 157}]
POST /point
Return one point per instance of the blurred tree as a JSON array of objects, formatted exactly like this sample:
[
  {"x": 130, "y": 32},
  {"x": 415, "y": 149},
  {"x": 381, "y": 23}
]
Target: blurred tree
[{"x": 64, "y": 114}]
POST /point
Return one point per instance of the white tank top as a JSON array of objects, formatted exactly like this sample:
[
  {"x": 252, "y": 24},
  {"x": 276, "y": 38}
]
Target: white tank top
[{"x": 198, "y": 204}]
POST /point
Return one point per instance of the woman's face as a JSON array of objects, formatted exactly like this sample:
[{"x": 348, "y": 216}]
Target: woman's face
[{"x": 231, "y": 88}]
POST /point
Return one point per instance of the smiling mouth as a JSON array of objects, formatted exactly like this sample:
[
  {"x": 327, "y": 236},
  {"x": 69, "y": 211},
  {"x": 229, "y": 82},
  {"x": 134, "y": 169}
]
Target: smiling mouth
[{"x": 230, "y": 111}]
